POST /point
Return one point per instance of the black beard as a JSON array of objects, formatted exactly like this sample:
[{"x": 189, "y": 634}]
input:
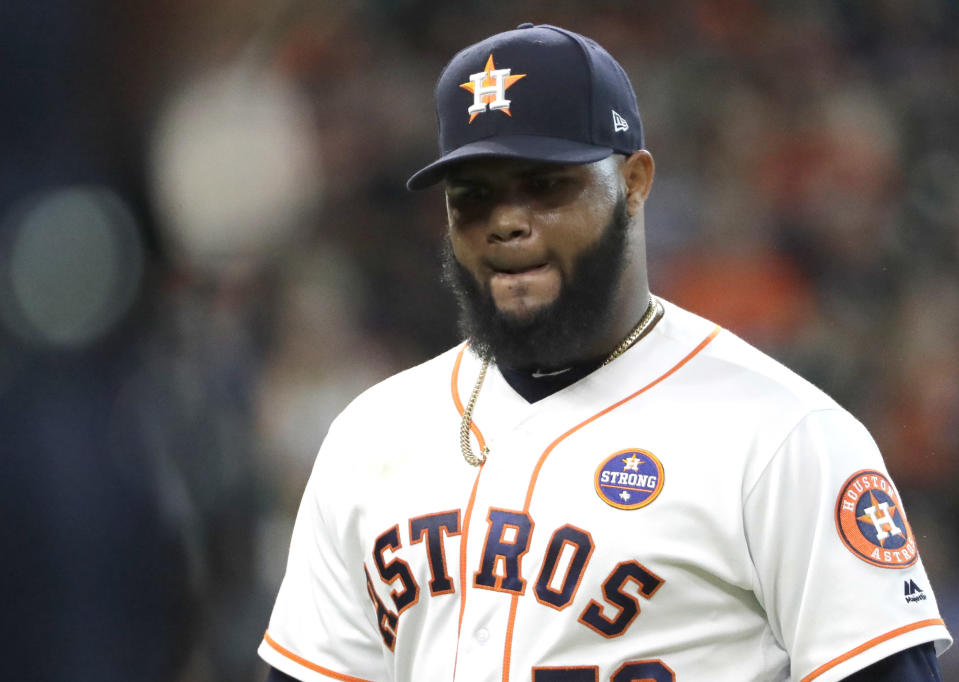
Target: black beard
[{"x": 554, "y": 336}]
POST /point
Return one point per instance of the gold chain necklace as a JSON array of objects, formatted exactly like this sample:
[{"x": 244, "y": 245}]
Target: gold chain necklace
[{"x": 466, "y": 447}]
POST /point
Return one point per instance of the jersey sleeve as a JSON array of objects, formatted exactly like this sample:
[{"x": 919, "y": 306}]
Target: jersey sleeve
[
  {"x": 836, "y": 564},
  {"x": 322, "y": 626}
]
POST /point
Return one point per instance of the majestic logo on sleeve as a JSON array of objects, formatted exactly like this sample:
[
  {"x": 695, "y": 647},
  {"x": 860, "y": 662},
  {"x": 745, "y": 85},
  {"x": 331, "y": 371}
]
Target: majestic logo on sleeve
[
  {"x": 489, "y": 89},
  {"x": 629, "y": 479},
  {"x": 871, "y": 522}
]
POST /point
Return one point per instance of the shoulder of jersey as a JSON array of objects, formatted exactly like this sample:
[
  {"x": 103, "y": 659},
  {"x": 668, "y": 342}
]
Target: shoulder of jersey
[
  {"x": 733, "y": 362},
  {"x": 412, "y": 389},
  {"x": 376, "y": 437}
]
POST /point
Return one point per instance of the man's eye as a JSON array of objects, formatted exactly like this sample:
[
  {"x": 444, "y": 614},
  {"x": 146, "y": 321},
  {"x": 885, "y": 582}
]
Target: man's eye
[
  {"x": 547, "y": 184},
  {"x": 468, "y": 195}
]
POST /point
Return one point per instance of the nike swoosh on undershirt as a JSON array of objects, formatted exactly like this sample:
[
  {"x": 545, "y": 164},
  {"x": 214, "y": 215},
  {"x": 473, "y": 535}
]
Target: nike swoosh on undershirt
[{"x": 539, "y": 375}]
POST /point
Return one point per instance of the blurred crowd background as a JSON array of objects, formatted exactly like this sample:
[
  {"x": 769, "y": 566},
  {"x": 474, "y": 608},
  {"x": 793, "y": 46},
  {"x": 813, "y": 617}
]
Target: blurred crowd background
[{"x": 206, "y": 250}]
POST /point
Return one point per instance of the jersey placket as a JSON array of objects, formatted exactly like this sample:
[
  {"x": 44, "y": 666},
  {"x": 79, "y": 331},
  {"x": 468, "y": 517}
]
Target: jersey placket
[{"x": 497, "y": 538}]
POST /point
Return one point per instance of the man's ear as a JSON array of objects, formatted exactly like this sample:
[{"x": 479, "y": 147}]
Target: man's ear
[{"x": 638, "y": 171}]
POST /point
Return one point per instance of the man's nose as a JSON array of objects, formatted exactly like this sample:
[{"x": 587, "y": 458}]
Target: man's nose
[{"x": 509, "y": 220}]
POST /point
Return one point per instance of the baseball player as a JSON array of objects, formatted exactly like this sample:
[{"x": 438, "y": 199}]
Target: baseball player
[{"x": 597, "y": 485}]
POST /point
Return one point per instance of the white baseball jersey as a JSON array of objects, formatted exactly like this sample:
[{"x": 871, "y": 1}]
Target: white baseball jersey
[{"x": 691, "y": 511}]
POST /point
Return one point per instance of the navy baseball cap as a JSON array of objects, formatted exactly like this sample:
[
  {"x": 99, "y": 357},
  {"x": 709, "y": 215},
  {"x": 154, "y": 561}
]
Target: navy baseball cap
[{"x": 540, "y": 93}]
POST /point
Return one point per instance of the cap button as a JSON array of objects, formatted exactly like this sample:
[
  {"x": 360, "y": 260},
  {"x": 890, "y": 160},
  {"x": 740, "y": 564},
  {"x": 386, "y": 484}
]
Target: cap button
[{"x": 526, "y": 24}]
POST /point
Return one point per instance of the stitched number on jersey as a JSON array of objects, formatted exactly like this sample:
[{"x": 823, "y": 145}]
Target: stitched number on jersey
[
  {"x": 643, "y": 671},
  {"x": 624, "y": 574},
  {"x": 574, "y": 541},
  {"x": 506, "y": 542},
  {"x": 633, "y": 671},
  {"x": 578, "y": 674}
]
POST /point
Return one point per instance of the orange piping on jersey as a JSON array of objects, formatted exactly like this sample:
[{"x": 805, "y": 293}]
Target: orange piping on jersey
[
  {"x": 307, "y": 664},
  {"x": 454, "y": 381},
  {"x": 870, "y": 644},
  {"x": 507, "y": 650},
  {"x": 464, "y": 534},
  {"x": 464, "y": 529},
  {"x": 459, "y": 403}
]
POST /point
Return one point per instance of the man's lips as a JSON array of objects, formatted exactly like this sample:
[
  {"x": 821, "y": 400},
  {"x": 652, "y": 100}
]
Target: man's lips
[
  {"x": 515, "y": 262},
  {"x": 517, "y": 279},
  {"x": 519, "y": 270},
  {"x": 521, "y": 287}
]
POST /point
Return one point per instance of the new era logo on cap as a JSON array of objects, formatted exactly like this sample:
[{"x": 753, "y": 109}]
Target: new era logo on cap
[{"x": 619, "y": 123}]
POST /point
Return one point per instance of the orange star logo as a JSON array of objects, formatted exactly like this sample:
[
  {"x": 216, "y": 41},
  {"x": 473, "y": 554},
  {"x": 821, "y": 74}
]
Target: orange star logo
[
  {"x": 489, "y": 86},
  {"x": 886, "y": 525}
]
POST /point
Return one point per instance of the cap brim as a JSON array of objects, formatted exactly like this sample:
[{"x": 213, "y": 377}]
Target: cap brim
[{"x": 527, "y": 147}]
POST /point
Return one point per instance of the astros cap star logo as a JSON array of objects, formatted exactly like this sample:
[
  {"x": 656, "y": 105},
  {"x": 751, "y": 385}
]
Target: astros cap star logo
[{"x": 489, "y": 89}]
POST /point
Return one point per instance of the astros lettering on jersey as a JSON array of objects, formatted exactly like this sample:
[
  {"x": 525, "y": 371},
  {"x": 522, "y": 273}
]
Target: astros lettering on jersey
[{"x": 692, "y": 511}]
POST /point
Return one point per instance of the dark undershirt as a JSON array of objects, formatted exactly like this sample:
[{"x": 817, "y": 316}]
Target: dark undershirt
[
  {"x": 535, "y": 385},
  {"x": 917, "y": 664}
]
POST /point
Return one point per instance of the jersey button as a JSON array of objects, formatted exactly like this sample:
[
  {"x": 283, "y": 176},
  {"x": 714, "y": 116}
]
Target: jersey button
[{"x": 482, "y": 635}]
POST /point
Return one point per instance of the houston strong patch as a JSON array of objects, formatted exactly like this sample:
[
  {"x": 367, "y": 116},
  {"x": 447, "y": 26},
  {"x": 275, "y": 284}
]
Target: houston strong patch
[
  {"x": 629, "y": 479},
  {"x": 871, "y": 522}
]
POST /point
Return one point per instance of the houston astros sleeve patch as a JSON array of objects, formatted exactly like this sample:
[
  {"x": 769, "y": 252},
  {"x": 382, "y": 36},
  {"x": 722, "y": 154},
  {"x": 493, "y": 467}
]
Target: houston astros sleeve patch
[{"x": 871, "y": 522}]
